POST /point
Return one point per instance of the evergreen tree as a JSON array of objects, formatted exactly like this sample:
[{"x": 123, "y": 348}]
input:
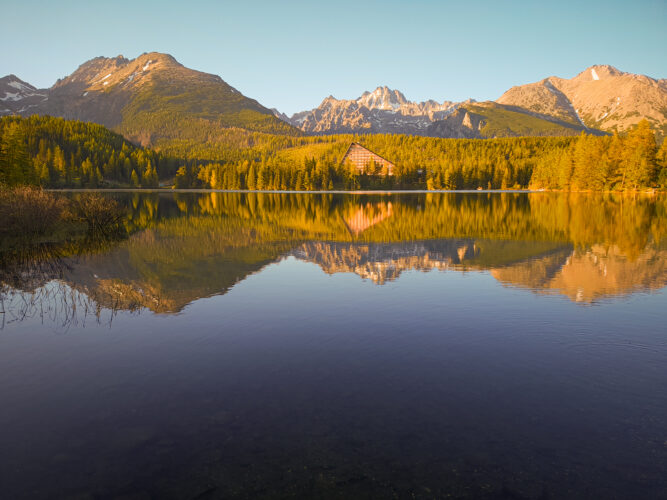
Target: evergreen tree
[{"x": 16, "y": 167}]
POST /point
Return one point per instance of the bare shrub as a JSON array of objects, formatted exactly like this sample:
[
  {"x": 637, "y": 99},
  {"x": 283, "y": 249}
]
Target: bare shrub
[
  {"x": 102, "y": 215},
  {"x": 29, "y": 211}
]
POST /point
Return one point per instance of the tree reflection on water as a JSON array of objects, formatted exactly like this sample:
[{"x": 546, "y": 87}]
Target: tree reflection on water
[{"x": 185, "y": 246}]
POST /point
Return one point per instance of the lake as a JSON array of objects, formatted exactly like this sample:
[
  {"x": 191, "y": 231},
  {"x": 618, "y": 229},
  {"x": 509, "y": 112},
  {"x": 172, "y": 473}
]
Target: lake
[{"x": 471, "y": 345}]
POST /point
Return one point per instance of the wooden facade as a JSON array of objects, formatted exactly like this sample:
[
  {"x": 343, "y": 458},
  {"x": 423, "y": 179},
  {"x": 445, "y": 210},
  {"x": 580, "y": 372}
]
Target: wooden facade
[
  {"x": 366, "y": 216},
  {"x": 361, "y": 157}
]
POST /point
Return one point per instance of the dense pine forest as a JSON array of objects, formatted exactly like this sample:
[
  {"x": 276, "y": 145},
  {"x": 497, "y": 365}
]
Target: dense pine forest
[
  {"x": 57, "y": 153},
  {"x": 585, "y": 162}
]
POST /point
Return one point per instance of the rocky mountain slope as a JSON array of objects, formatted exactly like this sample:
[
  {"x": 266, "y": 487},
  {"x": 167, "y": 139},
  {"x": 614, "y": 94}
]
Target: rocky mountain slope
[
  {"x": 17, "y": 96},
  {"x": 388, "y": 111},
  {"x": 601, "y": 97},
  {"x": 149, "y": 99},
  {"x": 154, "y": 100},
  {"x": 381, "y": 111}
]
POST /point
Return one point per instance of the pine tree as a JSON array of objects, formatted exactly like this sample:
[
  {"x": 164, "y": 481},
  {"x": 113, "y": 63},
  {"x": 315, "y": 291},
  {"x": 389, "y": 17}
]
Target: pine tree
[
  {"x": 639, "y": 163},
  {"x": 44, "y": 175},
  {"x": 251, "y": 179},
  {"x": 661, "y": 164}
]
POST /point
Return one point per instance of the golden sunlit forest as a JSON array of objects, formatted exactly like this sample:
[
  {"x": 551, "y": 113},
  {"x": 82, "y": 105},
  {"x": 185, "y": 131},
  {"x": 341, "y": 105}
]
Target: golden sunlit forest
[{"x": 56, "y": 153}]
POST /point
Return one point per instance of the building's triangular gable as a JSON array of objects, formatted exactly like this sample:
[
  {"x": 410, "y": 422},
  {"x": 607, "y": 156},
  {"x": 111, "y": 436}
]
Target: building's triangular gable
[{"x": 360, "y": 157}]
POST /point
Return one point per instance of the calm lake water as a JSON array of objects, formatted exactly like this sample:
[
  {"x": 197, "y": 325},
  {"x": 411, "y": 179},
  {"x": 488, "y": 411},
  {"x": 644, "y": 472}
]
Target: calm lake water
[{"x": 476, "y": 345}]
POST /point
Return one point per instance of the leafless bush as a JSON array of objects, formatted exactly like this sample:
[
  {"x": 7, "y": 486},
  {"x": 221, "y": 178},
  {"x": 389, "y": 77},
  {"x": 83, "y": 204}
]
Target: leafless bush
[
  {"x": 28, "y": 211},
  {"x": 102, "y": 215}
]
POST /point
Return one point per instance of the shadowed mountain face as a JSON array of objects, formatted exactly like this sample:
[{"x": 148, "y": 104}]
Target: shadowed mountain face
[
  {"x": 188, "y": 246},
  {"x": 149, "y": 99},
  {"x": 17, "y": 96}
]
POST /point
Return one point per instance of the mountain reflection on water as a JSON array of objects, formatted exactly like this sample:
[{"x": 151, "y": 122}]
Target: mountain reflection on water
[
  {"x": 341, "y": 346},
  {"x": 187, "y": 246}
]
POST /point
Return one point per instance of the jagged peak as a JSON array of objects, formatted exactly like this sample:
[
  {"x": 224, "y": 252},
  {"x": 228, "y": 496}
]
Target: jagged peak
[
  {"x": 100, "y": 62},
  {"x": 607, "y": 67},
  {"x": 121, "y": 60},
  {"x": 382, "y": 98},
  {"x": 158, "y": 56},
  {"x": 383, "y": 90},
  {"x": 108, "y": 70}
]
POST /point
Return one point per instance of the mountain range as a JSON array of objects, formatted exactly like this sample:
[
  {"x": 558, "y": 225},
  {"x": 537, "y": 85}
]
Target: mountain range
[
  {"x": 148, "y": 99},
  {"x": 387, "y": 111},
  {"x": 600, "y": 98},
  {"x": 153, "y": 100}
]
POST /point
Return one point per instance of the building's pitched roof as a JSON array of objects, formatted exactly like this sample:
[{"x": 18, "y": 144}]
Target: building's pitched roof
[{"x": 356, "y": 144}]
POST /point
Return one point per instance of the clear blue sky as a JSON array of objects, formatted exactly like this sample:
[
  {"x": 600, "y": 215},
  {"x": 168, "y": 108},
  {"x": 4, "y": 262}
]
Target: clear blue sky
[{"x": 291, "y": 55}]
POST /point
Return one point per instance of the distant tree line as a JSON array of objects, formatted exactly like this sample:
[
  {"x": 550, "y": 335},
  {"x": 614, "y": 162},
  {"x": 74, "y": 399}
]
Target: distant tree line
[
  {"x": 53, "y": 152},
  {"x": 570, "y": 163}
]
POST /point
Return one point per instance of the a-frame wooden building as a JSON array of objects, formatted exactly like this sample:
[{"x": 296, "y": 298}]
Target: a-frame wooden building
[{"x": 361, "y": 157}]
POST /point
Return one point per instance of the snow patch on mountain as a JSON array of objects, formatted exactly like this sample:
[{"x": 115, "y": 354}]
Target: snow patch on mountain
[
  {"x": 11, "y": 96},
  {"x": 594, "y": 74},
  {"x": 576, "y": 113},
  {"x": 20, "y": 86}
]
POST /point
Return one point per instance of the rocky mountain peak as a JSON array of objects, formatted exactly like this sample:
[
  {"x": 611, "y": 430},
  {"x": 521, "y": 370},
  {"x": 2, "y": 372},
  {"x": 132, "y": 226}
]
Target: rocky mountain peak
[
  {"x": 383, "y": 110},
  {"x": 14, "y": 82},
  {"x": 600, "y": 97},
  {"x": 383, "y": 98},
  {"x": 17, "y": 96},
  {"x": 132, "y": 96},
  {"x": 105, "y": 72},
  {"x": 599, "y": 72}
]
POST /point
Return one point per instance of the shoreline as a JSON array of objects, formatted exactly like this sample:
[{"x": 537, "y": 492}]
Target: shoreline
[{"x": 340, "y": 191}]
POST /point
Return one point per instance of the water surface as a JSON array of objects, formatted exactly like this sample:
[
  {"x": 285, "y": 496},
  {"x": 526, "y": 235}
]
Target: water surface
[{"x": 279, "y": 345}]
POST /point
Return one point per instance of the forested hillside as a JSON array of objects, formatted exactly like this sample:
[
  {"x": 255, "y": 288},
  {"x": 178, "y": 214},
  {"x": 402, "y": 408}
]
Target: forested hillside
[{"x": 52, "y": 152}]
